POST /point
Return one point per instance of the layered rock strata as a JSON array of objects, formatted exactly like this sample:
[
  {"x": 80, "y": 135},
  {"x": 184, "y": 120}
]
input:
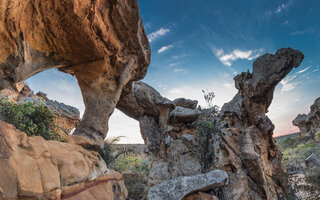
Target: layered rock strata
[
  {"x": 101, "y": 42},
  {"x": 309, "y": 124}
]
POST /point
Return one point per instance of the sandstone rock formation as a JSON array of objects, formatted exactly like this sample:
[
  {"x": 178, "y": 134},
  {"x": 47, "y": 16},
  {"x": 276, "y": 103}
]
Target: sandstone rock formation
[
  {"x": 32, "y": 168},
  {"x": 241, "y": 142},
  {"x": 180, "y": 187},
  {"x": 309, "y": 124},
  {"x": 101, "y": 42},
  {"x": 245, "y": 144}
]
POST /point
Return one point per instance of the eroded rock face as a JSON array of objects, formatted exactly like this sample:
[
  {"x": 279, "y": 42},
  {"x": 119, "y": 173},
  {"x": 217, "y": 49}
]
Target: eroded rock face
[
  {"x": 245, "y": 146},
  {"x": 177, "y": 188},
  {"x": 241, "y": 142},
  {"x": 165, "y": 128},
  {"x": 309, "y": 124},
  {"x": 32, "y": 168},
  {"x": 101, "y": 42}
]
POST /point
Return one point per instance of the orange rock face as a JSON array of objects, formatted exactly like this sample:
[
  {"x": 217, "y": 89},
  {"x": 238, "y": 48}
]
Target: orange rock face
[
  {"x": 32, "y": 168},
  {"x": 101, "y": 42}
]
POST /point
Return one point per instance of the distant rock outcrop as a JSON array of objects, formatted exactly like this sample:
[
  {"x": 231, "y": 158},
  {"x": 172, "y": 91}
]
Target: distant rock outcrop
[{"x": 309, "y": 124}]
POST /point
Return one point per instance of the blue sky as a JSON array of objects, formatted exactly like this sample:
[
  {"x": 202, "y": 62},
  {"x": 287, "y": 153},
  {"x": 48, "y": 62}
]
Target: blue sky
[{"x": 203, "y": 44}]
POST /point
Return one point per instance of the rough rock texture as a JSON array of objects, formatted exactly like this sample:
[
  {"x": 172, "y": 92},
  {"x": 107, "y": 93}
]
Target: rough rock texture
[
  {"x": 177, "y": 188},
  {"x": 106, "y": 187},
  {"x": 241, "y": 142},
  {"x": 170, "y": 143},
  {"x": 309, "y": 124},
  {"x": 32, "y": 168},
  {"x": 313, "y": 160},
  {"x": 67, "y": 117},
  {"x": 101, "y": 42},
  {"x": 200, "y": 196}
]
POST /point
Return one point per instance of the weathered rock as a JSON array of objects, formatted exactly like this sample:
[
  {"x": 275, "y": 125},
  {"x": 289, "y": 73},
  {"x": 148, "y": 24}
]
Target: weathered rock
[
  {"x": 184, "y": 115},
  {"x": 313, "y": 160},
  {"x": 309, "y": 124},
  {"x": 177, "y": 188},
  {"x": 186, "y": 103},
  {"x": 108, "y": 187},
  {"x": 240, "y": 143},
  {"x": 171, "y": 154},
  {"x": 32, "y": 168},
  {"x": 102, "y": 43},
  {"x": 245, "y": 147},
  {"x": 200, "y": 196}
]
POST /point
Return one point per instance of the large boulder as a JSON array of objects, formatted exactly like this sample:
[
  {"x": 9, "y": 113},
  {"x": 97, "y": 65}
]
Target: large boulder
[
  {"x": 177, "y": 188},
  {"x": 309, "y": 124},
  {"x": 102, "y": 43},
  {"x": 33, "y": 168}
]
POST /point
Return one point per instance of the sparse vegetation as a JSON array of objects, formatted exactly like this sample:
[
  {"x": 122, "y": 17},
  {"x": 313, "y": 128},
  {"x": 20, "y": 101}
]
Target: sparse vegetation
[
  {"x": 295, "y": 151},
  {"x": 33, "y": 119},
  {"x": 135, "y": 169},
  {"x": 205, "y": 127}
]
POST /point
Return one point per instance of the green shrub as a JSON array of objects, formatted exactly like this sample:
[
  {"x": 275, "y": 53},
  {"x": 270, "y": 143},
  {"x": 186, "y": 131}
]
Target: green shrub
[
  {"x": 318, "y": 136},
  {"x": 136, "y": 185},
  {"x": 131, "y": 164},
  {"x": 33, "y": 119}
]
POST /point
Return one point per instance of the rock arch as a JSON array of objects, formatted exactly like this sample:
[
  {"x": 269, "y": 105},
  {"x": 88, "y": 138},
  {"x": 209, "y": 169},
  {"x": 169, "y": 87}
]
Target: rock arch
[{"x": 101, "y": 42}]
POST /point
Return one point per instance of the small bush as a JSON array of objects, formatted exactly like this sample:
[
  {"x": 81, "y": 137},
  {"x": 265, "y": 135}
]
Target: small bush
[
  {"x": 131, "y": 164},
  {"x": 30, "y": 118}
]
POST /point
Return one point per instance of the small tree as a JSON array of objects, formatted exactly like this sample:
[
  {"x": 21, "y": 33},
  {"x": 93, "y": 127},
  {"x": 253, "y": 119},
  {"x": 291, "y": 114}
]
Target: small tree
[{"x": 205, "y": 126}]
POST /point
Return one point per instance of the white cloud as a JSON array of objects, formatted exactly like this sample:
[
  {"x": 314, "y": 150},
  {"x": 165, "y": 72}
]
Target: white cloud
[
  {"x": 174, "y": 64},
  {"x": 289, "y": 84},
  {"x": 236, "y": 54},
  {"x": 301, "y": 71},
  {"x": 280, "y": 8},
  {"x": 305, "y": 31},
  {"x": 164, "y": 48},
  {"x": 154, "y": 35},
  {"x": 177, "y": 70}
]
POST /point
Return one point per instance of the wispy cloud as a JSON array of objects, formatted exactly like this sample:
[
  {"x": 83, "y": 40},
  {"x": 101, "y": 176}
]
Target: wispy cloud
[
  {"x": 154, "y": 35},
  {"x": 301, "y": 71},
  {"x": 281, "y": 8},
  {"x": 236, "y": 54},
  {"x": 305, "y": 31},
  {"x": 289, "y": 84},
  {"x": 180, "y": 70},
  {"x": 165, "y": 48},
  {"x": 174, "y": 64}
]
